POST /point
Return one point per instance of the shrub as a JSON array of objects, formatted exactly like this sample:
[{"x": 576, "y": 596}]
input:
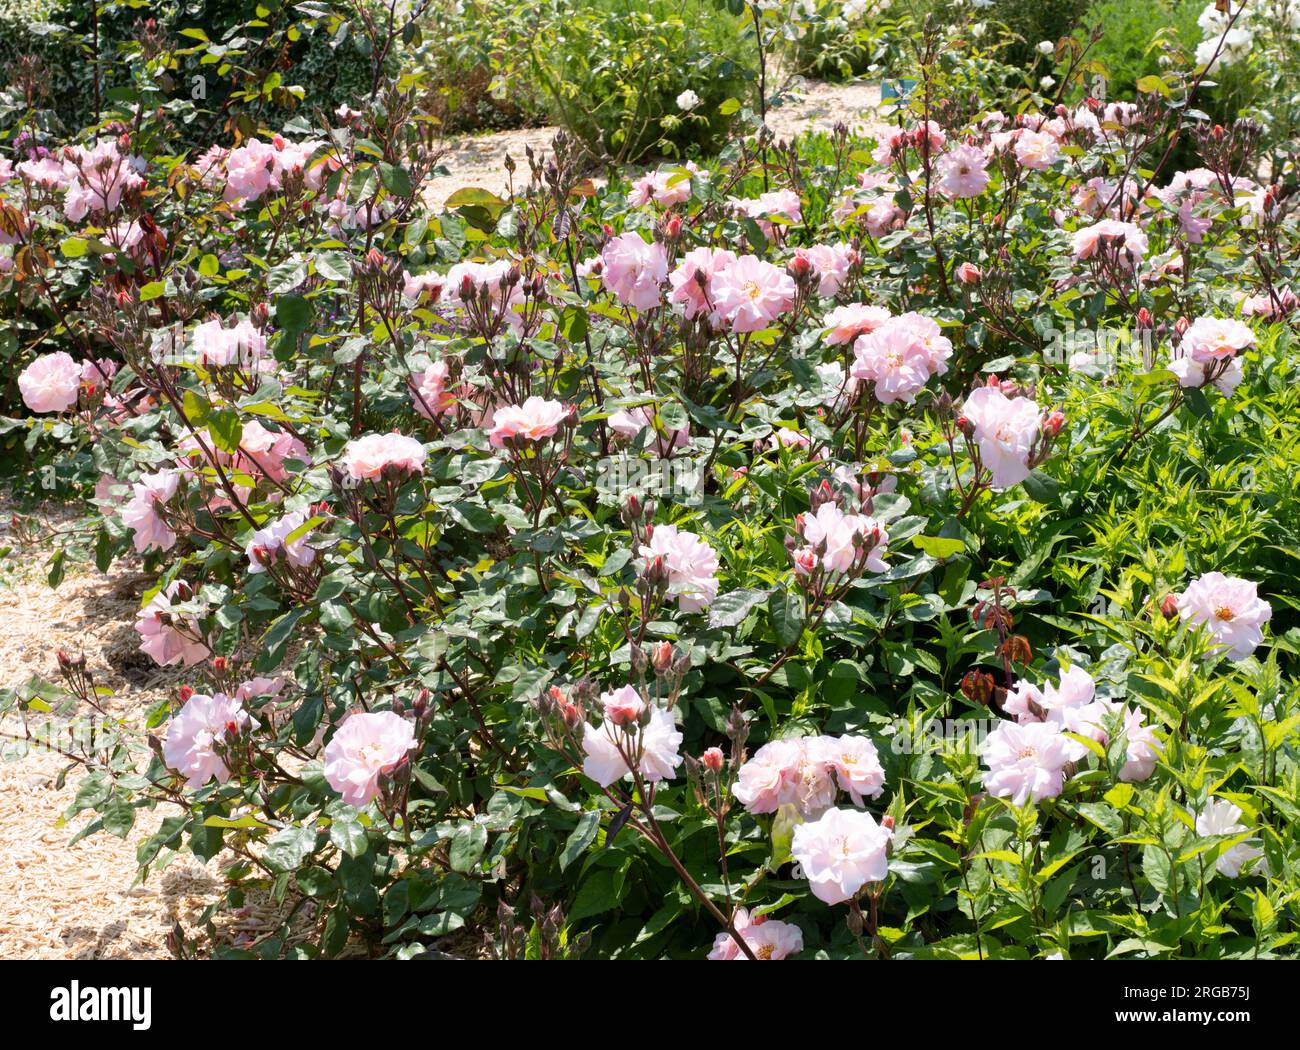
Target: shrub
[
  {"x": 613, "y": 70},
  {"x": 480, "y": 73},
  {"x": 633, "y": 571}
]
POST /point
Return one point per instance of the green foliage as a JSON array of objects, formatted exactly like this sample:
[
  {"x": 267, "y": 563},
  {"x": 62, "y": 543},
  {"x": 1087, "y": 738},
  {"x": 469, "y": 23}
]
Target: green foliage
[{"x": 612, "y": 71}]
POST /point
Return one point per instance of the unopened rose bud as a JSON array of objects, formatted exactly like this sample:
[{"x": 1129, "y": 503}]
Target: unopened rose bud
[
  {"x": 185, "y": 693},
  {"x": 1053, "y": 422},
  {"x": 1181, "y": 326},
  {"x": 219, "y": 664},
  {"x": 1169, "y": 606},
  {"x": 713, "y": 759},
  {"x": 887, "y": 822},
  {"x": 800, "y": 266},
  {"x": 968, "y": 273},
  {"x": 662, "y": 659},
  {"x": 965, "y": 426},
  {"x": 1144, "y": 318},
  {"x": 673, "y": 227}
]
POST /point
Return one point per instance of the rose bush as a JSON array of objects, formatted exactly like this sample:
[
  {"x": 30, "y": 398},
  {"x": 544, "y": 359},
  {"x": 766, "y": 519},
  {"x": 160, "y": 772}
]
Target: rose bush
[{"x": 834, "y": 548}]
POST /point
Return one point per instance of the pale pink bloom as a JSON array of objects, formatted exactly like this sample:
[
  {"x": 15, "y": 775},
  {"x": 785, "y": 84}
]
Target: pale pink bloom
[
  {"x": 692, "y": 281},
  {"x": 1229, "y": 608},
  {"x": 635, "y": 270},
  {"x": 783, "y": 205},
  {"x": 840, "y": 852},
  {"x": 99, "y": 176},
  {"x": 423, "y": 287},
  {"x": 215, "y": 345},
  {"x": 831, "y": 264},
  {"x": 691, "y": 564},
  {"x": 884, "y": 217},
  {"x": 622, "y": 706},
  {"x": 839, "y": 540},
  {"x": 1263, "y": 305},
  {"x": 771, "y": 939},
  {"x": 1214, "y": 338},
  {"x": 1028, "y": 761},
  {"x": 845, "y": 323},
  {"x": 1024, "y": 702},
  {"x": 766, "y": 938},
  {"x": 370, "y": 456},
  {"x": 1221, "y": 817},
  {"x": 466, "y": 281},
  {"x": 1193, "y": 373},
  {"x": 46, "y": 172},
  {"x": 1075, "y": 688},
  {"x": 263, "y": 452},
  {"x": 168, "y": 637},
  {"x": 665, "y": 188},
  {"x": 899, "y": 356},
  {"x": 140, "y": 513},
  {"x": 750, "y": 294},
  {"x": 534, "y": 420},
  {"x": 657, "y": 741},
  {"x": 855, "y": 762},
  {"x": 1005, "y": 430},
  {"x": 890, "y": 146},
  {"x": 196, "y": 735},
  {"x": 249, "y": 171},
  {"x": 930, "y": 130},
  {"x": 368, "y": 745},
  {"x": 272, "y": 541},
  {"x": 962, "y": 172},
  {"x": 1091, "y": 720},
  {"x": 1037, "y": 150},
  {"x": 789, "y": 772},
  {"x": 258, "y": 687},
  {"x": 630, "y": 422},
  {"x": 725, "y": 948},
  {"x": 51, "y": 383},
  {"x": 1132, "y": 242},
  {"x": 763, "y": 784},
  {"x": 429, "y": 391}
]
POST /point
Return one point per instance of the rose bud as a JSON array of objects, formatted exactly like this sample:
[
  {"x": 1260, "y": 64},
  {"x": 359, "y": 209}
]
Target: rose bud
[
  {"x": 713, "y": 759},
  {"x": 1169, "y": 606},
  {"x": 662, "y": 658},
  {"x": 185, "y": 693},
  {"x": 968, "y": 273}
]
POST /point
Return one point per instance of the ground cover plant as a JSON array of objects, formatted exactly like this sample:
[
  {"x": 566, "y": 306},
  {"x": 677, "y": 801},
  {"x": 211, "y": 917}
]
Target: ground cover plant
[{"x": 829, "y": 549}]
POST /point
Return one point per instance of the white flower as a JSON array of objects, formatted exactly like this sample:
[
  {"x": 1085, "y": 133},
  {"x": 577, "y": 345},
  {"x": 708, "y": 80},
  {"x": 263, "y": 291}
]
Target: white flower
[
  {"x": 1046, "y": 47},
  {"x": 687, "y": 100},
  {"x": 1028, "y": 761},
  {"x": 1221, "y": 817},
  {"x": 196, "y": 733},
  {"x": 658, "y": 741},
  {"x": 840, "y": 852},
  {"x": 1229, "y": 608}
]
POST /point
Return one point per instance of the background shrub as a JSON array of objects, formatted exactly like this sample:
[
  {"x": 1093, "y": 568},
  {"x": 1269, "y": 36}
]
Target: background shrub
[{"x": 612, "y": 71}]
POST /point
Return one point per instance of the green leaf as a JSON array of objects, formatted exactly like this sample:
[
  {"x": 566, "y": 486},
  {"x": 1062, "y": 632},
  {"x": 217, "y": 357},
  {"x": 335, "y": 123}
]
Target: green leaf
[
  {"x": 288, "y": 848},
  {"x": 580, "y": 838},
  {"x": 786, "y": 611}
]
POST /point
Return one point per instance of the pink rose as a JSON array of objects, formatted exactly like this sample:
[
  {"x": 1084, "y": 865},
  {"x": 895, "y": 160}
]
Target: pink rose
[
  {"x": 365, "y": 747},
  {"x": 51, "y": 383},
  {"x": 534, "y": 420},
  {"x": 368, "y": 457}
]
